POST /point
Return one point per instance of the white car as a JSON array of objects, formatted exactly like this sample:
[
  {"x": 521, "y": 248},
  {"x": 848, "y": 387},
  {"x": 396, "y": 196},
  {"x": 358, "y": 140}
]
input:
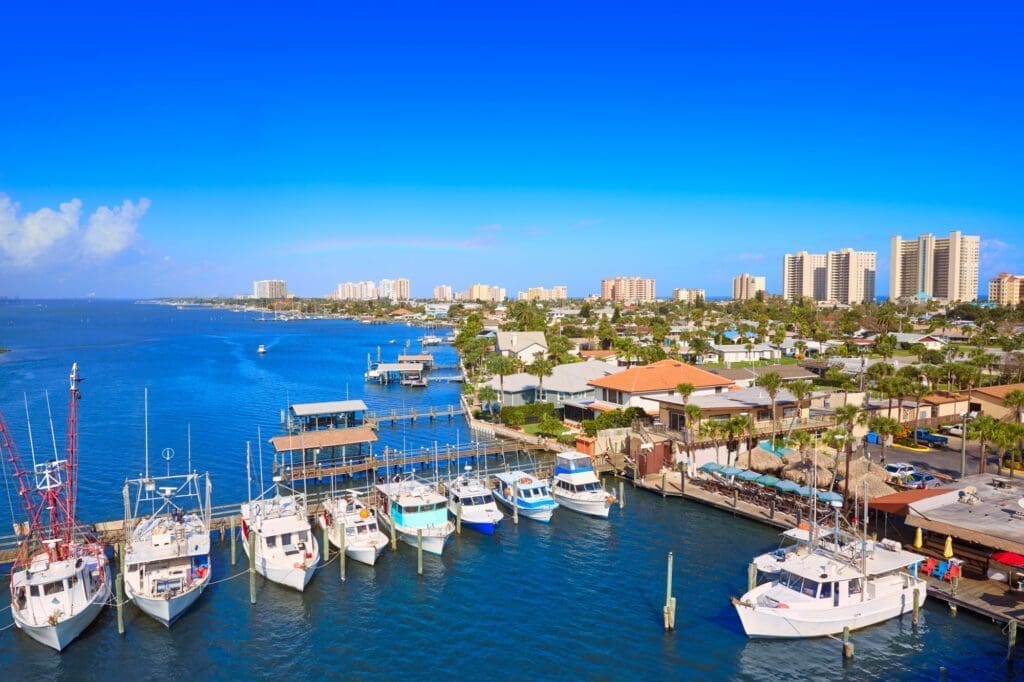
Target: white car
[
  {"x": 954, "y": 430},
  {"x": 899, "y": 471}
]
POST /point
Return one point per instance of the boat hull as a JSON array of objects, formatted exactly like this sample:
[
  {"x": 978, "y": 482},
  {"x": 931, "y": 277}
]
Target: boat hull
[
  {"x": 599, "y": 508},
  {"x": 767, "y": 622},
  {"x": 169, "y": 610},
  {"x": 432, "y": 544},
  {"x": 542, "y": 514},
  {"x": 485, "y": 527},
  {"x": 63, "y": 633},
  {"x": 294, "y": 575}
]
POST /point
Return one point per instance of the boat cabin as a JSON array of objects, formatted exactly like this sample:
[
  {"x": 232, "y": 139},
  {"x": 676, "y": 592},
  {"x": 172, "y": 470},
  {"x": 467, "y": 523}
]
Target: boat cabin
[{"x": 573, "y": 463}]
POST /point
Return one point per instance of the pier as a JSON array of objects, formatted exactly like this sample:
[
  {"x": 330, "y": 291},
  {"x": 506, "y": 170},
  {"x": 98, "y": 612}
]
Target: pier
[{"x": 396, "y": 416}]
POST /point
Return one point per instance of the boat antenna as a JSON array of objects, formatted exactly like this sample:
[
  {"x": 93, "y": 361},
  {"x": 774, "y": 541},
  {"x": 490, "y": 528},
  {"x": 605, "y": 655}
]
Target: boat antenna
[
  {"x": 248, "y": 468},
  {"x": 189, "y": 455},
  {"x": 259, "y": 446},
  {"x": 53, "y": 435},
  {"x": 145, "y": 413},
  {"x": 31, "y": 445}
]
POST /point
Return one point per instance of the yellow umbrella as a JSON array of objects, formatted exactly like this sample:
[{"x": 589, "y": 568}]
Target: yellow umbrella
[
  {"x": 917, "y": 539},
  {"x": 948, "y": 551}
]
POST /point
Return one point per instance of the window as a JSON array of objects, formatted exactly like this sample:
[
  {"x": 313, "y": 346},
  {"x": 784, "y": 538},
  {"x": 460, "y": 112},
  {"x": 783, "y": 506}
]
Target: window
[
  {"x": 271, "y": 541},
  {"x": 34, "y": 590},
  {"x": 826, "y": 591},
  {"x": 302, "y": 536},
  {"x": 286, "y": 538},
  {"x": 53, "y": 588}
]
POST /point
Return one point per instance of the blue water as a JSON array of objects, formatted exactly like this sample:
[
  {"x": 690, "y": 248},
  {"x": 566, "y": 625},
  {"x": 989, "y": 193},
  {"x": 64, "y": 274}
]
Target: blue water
[{"x": 578, "y": 598}]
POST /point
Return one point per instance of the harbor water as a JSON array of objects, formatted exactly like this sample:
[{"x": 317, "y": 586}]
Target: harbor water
[{"x": 580, "y": 598}]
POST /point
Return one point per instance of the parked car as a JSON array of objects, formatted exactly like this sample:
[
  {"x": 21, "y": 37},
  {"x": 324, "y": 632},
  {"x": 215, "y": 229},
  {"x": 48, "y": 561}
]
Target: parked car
[
  {"x": 922, "y": 480},
  {"x": 926, "y": 436},
  {"x": 953, "y": 430},
  {"x": 898, "y": 472}
]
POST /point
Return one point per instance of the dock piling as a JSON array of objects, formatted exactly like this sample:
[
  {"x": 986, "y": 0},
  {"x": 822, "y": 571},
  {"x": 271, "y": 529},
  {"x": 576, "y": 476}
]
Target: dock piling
[
  {"x": 119, "y": 587},
  {"x": 252, "y": 568},
  {"x": 458, "y": 518},
  {"x": 341, "y": 550},
  {"x": 622, "y": 495},
  {"x": 1011, "y": 643},
  {"x": 917, "y": 607},
  {"x": 669, "y": 610},
  {"x": 751, "y": 576},
  {"x": 419, "y": 551},
  {"x": 327, "y": 545},
  {"x": 664, "y": 484},
  {"x": 394, "y": 538},
  {"x": 515, "y": 502},
  {"x": 847, "y": 644},
  {"x": 233, "y": 551}
]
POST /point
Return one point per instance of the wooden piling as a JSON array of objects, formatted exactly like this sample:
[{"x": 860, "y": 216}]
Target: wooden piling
[
  {"x": 341, "y": 550},
  {"x": 917, "y": 607},
  {"x": 664, "y": 485},
  {"x": 458, "y": 517},
  {"x": 622, "y": 495},
  {"x": 771, "y": 509},
  {"x": 327, "y": 545},
  {"x": 394, "y": 537},
  {"x": 252, "y": 567},
  {"x": 515, "y": 502},
  {"x": 233, "y": 551},
  {"x": 1011, "y": 643},
  {"x": 119, "y": 595},
  {"x": 669, "y": 610},
  {"x": 847, "y": 644},
  {"x": 735, "y": 497},
  {"x": 419, "y": 551},
  {"x": 751, "y": 576}
]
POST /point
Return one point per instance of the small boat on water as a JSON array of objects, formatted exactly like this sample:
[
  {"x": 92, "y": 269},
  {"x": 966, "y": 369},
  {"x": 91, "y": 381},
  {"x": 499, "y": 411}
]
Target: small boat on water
[
  {"x": 410, "y": 506},
  {"x": 531, "y": 495},
  {"x": 479, "y": 511},
  {"x": 262, "y": 349},
  {"x": 575, "y": 486},
  {"x": 828, "y": 584},
  {"x": 364, "y": 540},
  {"x": 278, "y": 521},
  {"x": 431, "y": 340},
  {"x": 60, "y": 579},
  {"x": 167, "y": 555}
]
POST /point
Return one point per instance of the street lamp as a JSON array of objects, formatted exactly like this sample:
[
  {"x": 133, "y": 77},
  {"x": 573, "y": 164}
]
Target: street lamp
[{"x": 963, "y": 444}]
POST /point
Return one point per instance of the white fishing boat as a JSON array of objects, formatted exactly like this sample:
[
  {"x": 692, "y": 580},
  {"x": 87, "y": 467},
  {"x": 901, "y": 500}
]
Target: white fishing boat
[
  {"x": 530, "y": 494},
  {"x": 832, "y": 583},
  {"x": 60, "y": 580},
  {"x": 262, "y": 349},
  {"x": 478, "y": 508},
  {"x": 431, "y": 340},
  {"x": 364, "y": 541},
  {"x": 414, "y": 508},
  {"x": 575, "y": 486},
  {"x": 278, "y": 522}
]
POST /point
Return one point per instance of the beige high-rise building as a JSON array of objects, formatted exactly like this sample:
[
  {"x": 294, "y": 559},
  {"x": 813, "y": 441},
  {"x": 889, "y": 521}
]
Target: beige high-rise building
[
  {"x": 845, "y": 276},
  {"x": 485, "y": 292},
  {"x": 628, "y": 289},
  {"x": 945, "y": 268},
  {"x": 746, "y": 286},
  {"x": 1006, "y": 289},
  {"x": 401, "y": 289},
  {"x": 689, "y": 296},
  {"x": 556, "y": 293},
  {"x": 270, "y": 288},
  {"x": 443, "y": 292}
]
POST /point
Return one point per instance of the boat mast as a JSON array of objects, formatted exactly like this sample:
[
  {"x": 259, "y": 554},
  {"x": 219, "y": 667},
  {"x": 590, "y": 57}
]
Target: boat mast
[
  {"x": 248, "y": 469},
  {"x": 145, "y": 417}
]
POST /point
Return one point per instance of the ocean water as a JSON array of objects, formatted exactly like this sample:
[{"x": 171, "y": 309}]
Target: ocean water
[{"x": 579, "y": 598}]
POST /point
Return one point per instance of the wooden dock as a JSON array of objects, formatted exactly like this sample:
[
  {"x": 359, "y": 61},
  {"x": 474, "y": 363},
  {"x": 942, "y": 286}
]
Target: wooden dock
[{"x": 396, "y": 416}]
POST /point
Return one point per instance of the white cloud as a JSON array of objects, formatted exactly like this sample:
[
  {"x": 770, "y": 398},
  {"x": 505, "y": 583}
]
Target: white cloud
[
  {"x": 111, "y": 230},
  {"x": 48, "y": 235},
  {"x": 24, "y": 240}
]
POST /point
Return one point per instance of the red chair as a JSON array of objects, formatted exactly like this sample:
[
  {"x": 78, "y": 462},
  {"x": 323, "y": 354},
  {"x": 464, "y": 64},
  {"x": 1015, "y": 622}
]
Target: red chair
[
  {"x": 930, "y": 564},
  {"x": 953, "y": 572}
]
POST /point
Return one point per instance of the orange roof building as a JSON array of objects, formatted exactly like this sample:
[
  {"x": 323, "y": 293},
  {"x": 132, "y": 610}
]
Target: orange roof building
[{"x": 636, "y": 386}]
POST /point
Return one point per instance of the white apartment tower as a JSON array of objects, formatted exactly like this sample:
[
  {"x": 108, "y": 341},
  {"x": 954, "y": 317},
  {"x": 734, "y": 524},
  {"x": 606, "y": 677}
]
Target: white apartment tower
[
  {"x": 845, "y": 276},
  {"x": 746, "y": 286},
  {"x": 556, "y": 293},
  {"x": 443, "y": 292},
  {"x": 401, "y": 290},
  {"x": 945, "y": 268},
  {"x": 689, "y": 296},
  {"x": 628, "y": 289},
  {"x": 270, "y": 288}
]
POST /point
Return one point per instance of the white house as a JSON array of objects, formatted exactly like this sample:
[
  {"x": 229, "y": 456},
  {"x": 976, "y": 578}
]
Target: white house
[
  {"x": 738, "y": 352},
  {"x": 525, "y": 346}
]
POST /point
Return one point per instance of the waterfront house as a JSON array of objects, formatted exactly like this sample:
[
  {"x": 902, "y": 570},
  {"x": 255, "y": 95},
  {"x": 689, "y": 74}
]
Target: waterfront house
[
  {"x": 523, "y": 346},
  {"x": 739, "y": 352},
  {"x": 745, "y": 377},
  {"x": 930, "y": 342},
  {"x": 642, "y": 386},
  {"x": 567, "y": 383},
  {"x": 753, "y": 402}
]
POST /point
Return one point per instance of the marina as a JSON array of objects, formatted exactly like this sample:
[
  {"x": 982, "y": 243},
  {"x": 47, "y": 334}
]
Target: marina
[{"x": 604, "y": 556}]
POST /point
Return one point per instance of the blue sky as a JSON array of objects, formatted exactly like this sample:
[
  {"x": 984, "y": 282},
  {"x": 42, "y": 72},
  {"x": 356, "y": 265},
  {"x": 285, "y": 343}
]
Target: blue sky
[{"x": 194, "y": 149}]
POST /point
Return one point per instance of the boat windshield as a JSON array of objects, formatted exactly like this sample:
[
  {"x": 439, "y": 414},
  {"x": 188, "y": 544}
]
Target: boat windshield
[{"x": 800, "y": 584}]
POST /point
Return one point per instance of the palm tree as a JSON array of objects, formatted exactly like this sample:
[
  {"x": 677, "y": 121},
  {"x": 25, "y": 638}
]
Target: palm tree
[
  {"x": 487, "y": 395},
  {"x": 802, "y": 440},
  {"x": 502, "y": 366},
  {"x": 884, "y": 426},
  {"x": 713, "y": 431},
  {"x": 685, "y": 390},
  {"x": 983, "y": 429},
  {"x": 917, "y": 391},
  {"x": 801, "y": 391},
  {"x": 735, "y": 427},
  {"x": 693, "y": 414},
  {"x": 848, "y": 416},
  {"x": 1015, "y": 401},
  {"x": 541, "y": 367},
  {"x": 1007, "y": 437},
  {"x": 771, "y": 382},
  {"x": 627, "y": 347}
]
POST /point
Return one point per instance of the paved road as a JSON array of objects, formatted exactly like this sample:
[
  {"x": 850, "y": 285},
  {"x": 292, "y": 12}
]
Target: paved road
[{"x": 941, "y": 460}]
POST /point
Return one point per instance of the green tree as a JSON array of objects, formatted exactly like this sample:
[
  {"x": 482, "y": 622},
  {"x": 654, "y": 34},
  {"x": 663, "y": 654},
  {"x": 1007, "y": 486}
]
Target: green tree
[
  {"x": 885, "y": 427},
  {"x": 983, "y": 429},
  {"x": 771, "y": 382},
  {"x": 801, "y": 390},
  {"x": 849, "y": 416},
  {"x": 540, "y": 368},
  {"x": 501, "y": 366},
  {"x": 685, "y": 390},
  {"x": 713, "y": 430},
  {"x": 487, "y": 396}
]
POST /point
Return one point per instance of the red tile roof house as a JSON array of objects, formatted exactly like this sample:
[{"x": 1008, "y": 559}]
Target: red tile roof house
[{"x": 640, "y": 386}]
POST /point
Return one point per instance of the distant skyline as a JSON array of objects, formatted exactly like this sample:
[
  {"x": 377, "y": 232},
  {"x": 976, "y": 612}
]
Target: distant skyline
[{"x": 189, "y": 150}]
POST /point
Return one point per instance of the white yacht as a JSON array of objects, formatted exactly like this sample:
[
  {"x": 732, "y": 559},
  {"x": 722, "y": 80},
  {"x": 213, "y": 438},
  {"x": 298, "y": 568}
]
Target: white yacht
[
  {"x": 829, "y": 585},
  {"x": 286, "y": 551},
  {"x": 479, "y": 511},
  {"x": 575, "y": 486},
  {"x": 409, "y": 506},
  {"x": 167, "y": 555},
  {"x": 261, "y": 349},
  {"x": 431, "y": 340},
  {"x": 530, "y": 494},
  {"x": 364, "y": 540},
  {"x": 59, "y": 581}
]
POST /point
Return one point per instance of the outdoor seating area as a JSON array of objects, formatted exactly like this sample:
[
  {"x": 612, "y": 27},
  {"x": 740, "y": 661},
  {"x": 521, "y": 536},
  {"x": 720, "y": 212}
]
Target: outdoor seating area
[{"x": 765, "y": 490}]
